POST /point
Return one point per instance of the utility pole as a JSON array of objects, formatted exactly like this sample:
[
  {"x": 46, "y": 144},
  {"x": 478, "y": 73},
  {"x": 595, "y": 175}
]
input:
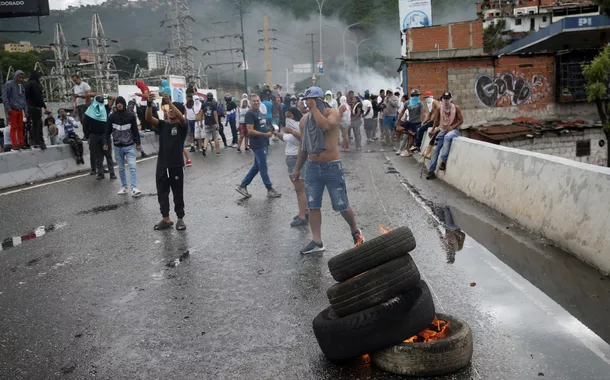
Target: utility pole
[
  {"x": 231, "y": 49},
  {"x": 243, "y": 44},
  {"x": 268, "y": 72},
  {"x": 179, "y": 21},
  {"x": 313, "y": 58}
]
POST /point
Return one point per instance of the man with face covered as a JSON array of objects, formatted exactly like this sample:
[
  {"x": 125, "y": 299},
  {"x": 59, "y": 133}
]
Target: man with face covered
[
  {"x": 329, "y": 99},
  {"x": 447, "y": 124},
  {"x": 320, "y": 148},
  {"x": 429, "y": 113}
]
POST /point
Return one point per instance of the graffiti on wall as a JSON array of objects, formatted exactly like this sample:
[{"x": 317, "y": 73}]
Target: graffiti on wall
[{"x": 491, "y": 90}]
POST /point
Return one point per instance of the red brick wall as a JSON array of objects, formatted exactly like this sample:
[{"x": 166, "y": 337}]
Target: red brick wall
[
  {"x": 425, "y": 39},
  {"x": 525, "y": 82}
]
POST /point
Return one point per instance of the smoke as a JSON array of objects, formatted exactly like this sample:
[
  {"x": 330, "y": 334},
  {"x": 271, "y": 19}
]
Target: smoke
[{"x": 445, "y": 12}]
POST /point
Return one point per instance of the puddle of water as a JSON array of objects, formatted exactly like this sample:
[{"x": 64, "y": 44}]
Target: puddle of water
[
  {"x": 100, "y": 209},
  {"x": 15, "y": 241},
  {"x": 577, "y": 287}
]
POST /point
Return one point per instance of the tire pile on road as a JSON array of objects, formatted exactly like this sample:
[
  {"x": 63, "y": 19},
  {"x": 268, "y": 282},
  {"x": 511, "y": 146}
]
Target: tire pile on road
[{"x": 378, "y": 302}]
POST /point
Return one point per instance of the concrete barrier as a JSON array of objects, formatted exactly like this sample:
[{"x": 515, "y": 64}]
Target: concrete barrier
[
  {"x": 563, "y": 200},
  {"x": 27, "y": 166}
]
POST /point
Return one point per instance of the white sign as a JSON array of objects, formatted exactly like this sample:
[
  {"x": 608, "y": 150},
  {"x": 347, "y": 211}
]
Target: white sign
[
  {"x": 303, "y": 68},
  {"x": 178, "y": 86},
  {"x": 415, "y": 14}
]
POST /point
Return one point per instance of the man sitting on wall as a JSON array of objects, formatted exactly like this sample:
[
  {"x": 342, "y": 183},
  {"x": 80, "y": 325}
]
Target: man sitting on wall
[{"x": 448, "y": 120}]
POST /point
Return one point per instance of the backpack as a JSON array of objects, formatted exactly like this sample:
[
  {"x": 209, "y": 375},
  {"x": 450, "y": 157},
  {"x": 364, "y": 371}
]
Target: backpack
[{"x": 220, "y": 109}]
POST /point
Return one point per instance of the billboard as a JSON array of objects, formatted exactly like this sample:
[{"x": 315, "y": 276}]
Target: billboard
[
  {"x": 23, "y": 8},
  {"x": 415, "y": 14}
]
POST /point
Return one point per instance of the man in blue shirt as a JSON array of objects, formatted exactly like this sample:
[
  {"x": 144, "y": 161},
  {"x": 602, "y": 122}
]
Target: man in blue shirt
[
  {"x": 268, "y": 110},
  {"x": 259, "y": 134}
]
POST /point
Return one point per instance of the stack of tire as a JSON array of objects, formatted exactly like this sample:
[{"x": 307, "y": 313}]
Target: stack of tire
[{"x": 379, "y": 301}]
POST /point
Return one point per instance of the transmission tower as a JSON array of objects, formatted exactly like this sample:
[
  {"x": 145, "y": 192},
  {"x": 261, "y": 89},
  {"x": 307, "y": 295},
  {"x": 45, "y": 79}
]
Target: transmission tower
[
  {"x": 105, "y": 76},
  {"x": 179, "y": 20},
  {"x": 62, "y": 61}
]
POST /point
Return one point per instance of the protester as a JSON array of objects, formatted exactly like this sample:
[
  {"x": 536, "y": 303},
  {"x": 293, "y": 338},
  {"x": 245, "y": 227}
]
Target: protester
[
  {"x": 96, "y": 118},
  {"x": 259, "y": 135},
  {"x": 123, "y": 126},
  {"x": 320, "y": 148},
  {"x": 267, "y": 108},
  {"x": 402, "y": 126},
  {"x": 368, "y": 113},
  {"x": 15, "y": 103},
  {"x": 429, "y": 112},
  {"x": 292, "y": 137},
  {"x": 390, "y": 114},
  {"x": 82, "y": 99},
  {"x": 52, "y": 130},
  {"x": 345, "y": 111},
  {"x": 328, "y": 98},
  {"x": 415, "y": 120},
  {"x": 277, "y": 112},
  {"x": 294, "y": 101},
  {"x": 357, "y": 121},
  {"x": 211, "y": 123},
  {"x": 232, "y": 118},
  {"x": 141, "y": 108},
  {"x": 380, "y": 115},
  {"x": 447, "y": 125},
  {"x": 170, "y": 161},
  {"x": 36, "y": 104},
  {"x": 243, "y": 130},
  {"x": 68, "y": 126},
  {"x": 165, "y": 106},
  {"x": 199, "y": 131},
  {"x": 191, "y": 121}
]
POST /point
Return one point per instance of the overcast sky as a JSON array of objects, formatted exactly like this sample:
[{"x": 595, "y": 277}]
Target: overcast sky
[{"x": 63, "y": 4}]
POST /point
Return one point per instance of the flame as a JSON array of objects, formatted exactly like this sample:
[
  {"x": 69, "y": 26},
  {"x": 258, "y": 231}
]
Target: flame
[
  {"x": 384, "y": 230},
  {"x": 438, "y": 330},
  {"x": 360, "y": 241}
]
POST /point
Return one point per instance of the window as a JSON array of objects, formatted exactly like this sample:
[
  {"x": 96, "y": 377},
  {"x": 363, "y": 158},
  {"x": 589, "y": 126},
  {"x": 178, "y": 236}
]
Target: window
[
  {"x": 583, "y": 148},
  {"x": 543, "y": 18},
  {"x": 532, "y": 24},
  {"x": 518, "y": 21}
]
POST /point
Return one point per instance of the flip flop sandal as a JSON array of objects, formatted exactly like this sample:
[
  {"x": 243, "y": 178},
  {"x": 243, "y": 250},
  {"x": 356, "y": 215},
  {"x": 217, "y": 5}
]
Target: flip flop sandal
[
  {"x": 163, "y": 225},
  {"x": 180, "y": 226}
]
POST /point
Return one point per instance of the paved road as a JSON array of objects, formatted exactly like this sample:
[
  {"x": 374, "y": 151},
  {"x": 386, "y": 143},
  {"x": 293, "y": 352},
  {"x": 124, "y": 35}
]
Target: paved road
[{"x": 94, "y": 296}]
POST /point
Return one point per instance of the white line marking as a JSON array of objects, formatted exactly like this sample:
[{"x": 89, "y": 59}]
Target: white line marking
[{"x": 60, "y": 180}]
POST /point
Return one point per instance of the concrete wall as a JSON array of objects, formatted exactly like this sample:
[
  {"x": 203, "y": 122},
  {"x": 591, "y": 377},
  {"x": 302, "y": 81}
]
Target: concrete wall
[
  {"x": 564, "y": 145},
  {"x": 461, "y": 82},
  {"x": 24, "y": 167},
  {"x": 562, "y": 200}
]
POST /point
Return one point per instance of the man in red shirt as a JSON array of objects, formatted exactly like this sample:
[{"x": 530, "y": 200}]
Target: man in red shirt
[{"x": 141, "y": 110}]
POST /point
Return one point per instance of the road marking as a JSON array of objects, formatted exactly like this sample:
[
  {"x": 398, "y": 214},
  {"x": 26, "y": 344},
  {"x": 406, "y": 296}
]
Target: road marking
[
  {"x": 60, "y": 180},
  {"x": 15, "y": 241}
]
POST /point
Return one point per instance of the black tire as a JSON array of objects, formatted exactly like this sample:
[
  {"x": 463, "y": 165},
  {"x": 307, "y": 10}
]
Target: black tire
[
  {"x": 374, "y": 287},
  {"x": 430, "y": 359},
  {"x": 376, "y": 328},
  {"x": 371, "y": 254}
]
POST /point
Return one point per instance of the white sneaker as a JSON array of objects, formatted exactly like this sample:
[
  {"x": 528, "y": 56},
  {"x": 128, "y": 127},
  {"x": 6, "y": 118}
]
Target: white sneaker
[
  {"x": 398, "y": 153},
  {"x": 405, "y": 154},
  {"x": 135, "y": 192},
  {"x": 123, "y": 191}
]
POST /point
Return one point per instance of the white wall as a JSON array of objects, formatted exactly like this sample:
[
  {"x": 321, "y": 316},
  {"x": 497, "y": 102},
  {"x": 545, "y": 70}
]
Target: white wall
[
  {"x": 511, "y": 22},
  {"x": 565, "y": 201},
  {"x": 565, "y": 145}
]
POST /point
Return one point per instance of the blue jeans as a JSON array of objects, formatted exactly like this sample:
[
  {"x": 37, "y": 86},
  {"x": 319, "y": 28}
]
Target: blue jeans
[
  {"x": 128, "y": 154},
  {"x": 260, "y": 166},
  {"x": 421, "y": 132},
  {"x": 443, "y": 144},
  {"x": 329, "y": 175}
]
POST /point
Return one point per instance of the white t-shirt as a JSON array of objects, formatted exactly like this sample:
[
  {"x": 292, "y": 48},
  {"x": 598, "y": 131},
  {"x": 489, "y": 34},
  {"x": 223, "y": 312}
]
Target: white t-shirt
[
  {"x": 405, "y": 117},
  {"x": 81, "y": 89},
  {"x": 366, "y": 106},
  {"x": 263, "y": 109},
  {"x": 292, "y": 143},
  {"x": 333, "y": 103},
  {"x": 379, "y": 101},
  {"x": 242, "y": 115},
  {"x": 190, "y": 114}
]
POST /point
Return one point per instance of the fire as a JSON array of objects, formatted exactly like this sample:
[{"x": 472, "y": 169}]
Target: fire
[
  {"x": 360, "y": 241},
  {"x": 438, "y": 330},
  {"x": 384, "y": 230}
]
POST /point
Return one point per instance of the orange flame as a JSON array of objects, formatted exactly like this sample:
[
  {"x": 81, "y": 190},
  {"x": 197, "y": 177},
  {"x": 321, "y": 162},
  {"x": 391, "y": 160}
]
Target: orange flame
[
  {"x": 360, "y": 241},
  {"x": 384, "y": 230},
  {"x": 437, "y": 331}
]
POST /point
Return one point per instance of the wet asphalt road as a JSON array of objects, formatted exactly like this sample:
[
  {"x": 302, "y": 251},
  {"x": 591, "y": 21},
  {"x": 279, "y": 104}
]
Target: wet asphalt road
[{"x": 101, "y": 295}]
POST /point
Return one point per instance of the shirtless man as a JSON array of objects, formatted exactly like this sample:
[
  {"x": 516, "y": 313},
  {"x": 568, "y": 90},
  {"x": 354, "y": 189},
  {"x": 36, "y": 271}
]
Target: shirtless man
[
  {"x": 429, "y": 113},
  {"x": 320, "y": 148}
]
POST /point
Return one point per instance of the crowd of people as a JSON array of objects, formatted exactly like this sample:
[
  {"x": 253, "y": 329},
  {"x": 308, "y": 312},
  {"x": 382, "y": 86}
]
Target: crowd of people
[{"x": 315, "y": 126}]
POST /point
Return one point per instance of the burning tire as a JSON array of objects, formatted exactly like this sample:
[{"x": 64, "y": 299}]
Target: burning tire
[
  {"x": 435, "y": 358},
  {"x": 374, "y": 287},
  {"x": 371, "y": 254},
  {"x": 375, "y": 328}
]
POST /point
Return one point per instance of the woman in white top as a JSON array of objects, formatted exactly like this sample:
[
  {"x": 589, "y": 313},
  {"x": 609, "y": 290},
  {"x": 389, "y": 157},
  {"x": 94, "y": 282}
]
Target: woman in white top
[
  {"x": 345, "y": 111},
  {"x": 243, "y": 130},
  {"x": 292, "y": 137}
]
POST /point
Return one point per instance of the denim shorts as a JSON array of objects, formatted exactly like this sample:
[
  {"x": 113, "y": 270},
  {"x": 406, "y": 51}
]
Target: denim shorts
[
  {"x": 291, "y": 163},
  {"x": 191, "y": 126},
  {"x": 390, "y": 121},
  {"x": 329, "y": 175}
]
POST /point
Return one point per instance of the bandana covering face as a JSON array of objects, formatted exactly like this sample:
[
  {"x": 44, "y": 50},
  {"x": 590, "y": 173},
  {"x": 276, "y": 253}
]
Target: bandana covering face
[
  {"x": 97, "y": 111},
  {"x": 414, "y": 101}
]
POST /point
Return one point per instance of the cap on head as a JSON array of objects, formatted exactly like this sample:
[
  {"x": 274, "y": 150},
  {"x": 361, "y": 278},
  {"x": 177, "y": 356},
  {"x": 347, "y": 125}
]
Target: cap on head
[
  {"x": 428, "y": 94},
  {"x": 415, "y": 92},
  {"x": 228, "y": 97},
  {"x": 446, "y": 95},
  {"x": 313, "y": 93}
]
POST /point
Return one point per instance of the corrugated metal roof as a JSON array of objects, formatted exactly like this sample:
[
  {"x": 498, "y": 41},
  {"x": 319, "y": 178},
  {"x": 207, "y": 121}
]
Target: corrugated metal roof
[{"x": 506, "y": 129}]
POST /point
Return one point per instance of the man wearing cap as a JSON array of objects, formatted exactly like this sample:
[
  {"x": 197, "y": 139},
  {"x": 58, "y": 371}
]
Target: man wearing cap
[
  {"x": 320, "y": 148},
  {"x": 429, "y": 112},
  {"x": 390, "y": 114},
  {"x": 447, "y": 122}
]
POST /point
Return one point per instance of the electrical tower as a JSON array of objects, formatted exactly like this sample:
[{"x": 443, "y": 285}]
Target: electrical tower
[
  {"x": 105, "y": 76},
  {"x": 58, "y": 86},
  {"x": 179, "y": 20}
]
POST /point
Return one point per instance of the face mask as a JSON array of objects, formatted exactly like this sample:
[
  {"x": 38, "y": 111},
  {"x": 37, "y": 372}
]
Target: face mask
[
  {"x": 429, "y": 101},
  {"x": 414, "y": 101}
]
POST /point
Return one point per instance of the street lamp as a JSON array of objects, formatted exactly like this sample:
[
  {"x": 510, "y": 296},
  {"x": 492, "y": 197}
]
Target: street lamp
[
  {"x": 344, "y": 33},
  {"x": 320, "y": 6},
  {"x": 358, "y": 53}
]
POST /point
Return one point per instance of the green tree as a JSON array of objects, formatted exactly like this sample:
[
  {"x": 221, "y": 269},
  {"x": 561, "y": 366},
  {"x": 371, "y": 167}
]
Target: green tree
[
  {"x": 493, "y": 36},
  {"x": 596, "y": 74},
  {"x": 604, "y": 6},
  {"x": 19, "y": 61},
  {"x": 127, "y": 61}
]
